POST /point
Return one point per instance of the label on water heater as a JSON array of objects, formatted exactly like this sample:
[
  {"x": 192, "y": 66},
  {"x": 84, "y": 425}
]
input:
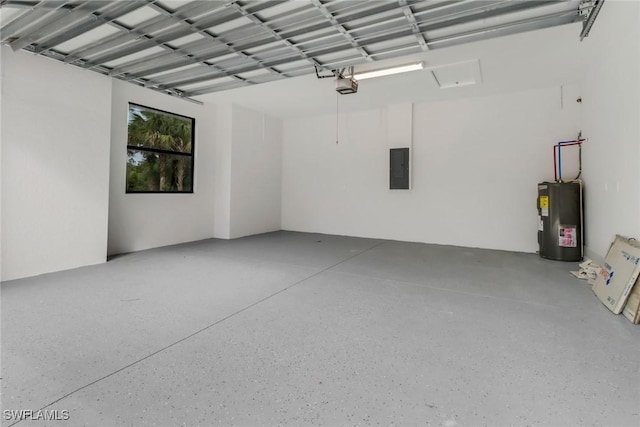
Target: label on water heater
[
  {"x": 540, "y": 224},
  {"x": 567, "y": 236},
  {"x": 544, "y": 205}
]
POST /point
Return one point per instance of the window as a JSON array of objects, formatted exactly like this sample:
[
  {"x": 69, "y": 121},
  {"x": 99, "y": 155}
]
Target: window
[
  {"x": 399, "y": 169},
  {"x": 159, "y": 151}
]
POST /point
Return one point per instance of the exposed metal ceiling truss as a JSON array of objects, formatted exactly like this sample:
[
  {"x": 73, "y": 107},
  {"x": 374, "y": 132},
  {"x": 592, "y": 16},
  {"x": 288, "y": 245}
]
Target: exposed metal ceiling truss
[{"x": 193, "y": 47}]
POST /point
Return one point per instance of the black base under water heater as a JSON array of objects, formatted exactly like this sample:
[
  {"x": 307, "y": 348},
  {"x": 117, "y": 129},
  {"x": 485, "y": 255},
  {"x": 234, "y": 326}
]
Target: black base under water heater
[{"x": 560, "y": 220}]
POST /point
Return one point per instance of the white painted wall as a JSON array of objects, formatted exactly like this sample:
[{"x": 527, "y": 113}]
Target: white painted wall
[
  {"x": 476, "y": 163},
  {"x": 55, "y": 165},
  {"x": 2, "y": 67},
  {"x": 222, "y": 172},
  {"x": 142, "y": 221},
  {"x": 256, "y": 172},
  {"x": 611, "y": 121}
]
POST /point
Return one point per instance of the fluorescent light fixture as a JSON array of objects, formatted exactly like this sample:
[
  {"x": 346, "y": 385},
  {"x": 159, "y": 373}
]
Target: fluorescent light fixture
[{"x": 389, "y": 71}]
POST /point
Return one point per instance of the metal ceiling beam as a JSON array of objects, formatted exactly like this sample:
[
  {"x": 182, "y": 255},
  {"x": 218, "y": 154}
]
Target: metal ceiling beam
[
  {"x": 60, "y": 56},
  {"x": 435, "y": 11},
  {"x": 296, "y": 71},
  {"x": 26, "y": 4},
  {"x": 216, "y": 88},
  {"x": 398, "y": 50},
  {"x": 157, "y": 65},
  {"x": 378, "y": 19},
  {"x": 553, "y": 19},
  {"x": 413, "y": 23},
  {"x": 262, "y": 24},
  {"x": 93, "y": 21},
  {"x": 457, "y": 14},
  {"x": 37, "y": 11},
  {"x": 120, "y": 38},
  {"x": 341, "y": 29},
  {"x": 120, "y": 71},
  {"x": 338, "y": 34},
  {"x": 327, "y": 40},
  {"x": 207, "y": 68},
  {"x": 545, "y": 21},
  {"x": 146, "y": 41},
  {"x": 230, "y": 47},
  {"x": 149, "y": 41},
  {"x": 231, "y": 85},
  {"x": 180, "y": 50},
  {"x": 291, "y": 20},
  {"x": 586, "y": 27},
  {"x": 55, "y": 23},
  {"x": 486, "y": 13},
  {"x": 131, "y": 67},
  {"x": 379, "y": 36},
  {"x": 174, "y": 50},
  {"x": 303, "y": 14},
  {"x": 273, "y": 63},
  {"x": 196, "y": 71},
  {"x": 31, "y": 4},
  {"x": 161, "y": 62},
  {"x": 181, "y": 57}
]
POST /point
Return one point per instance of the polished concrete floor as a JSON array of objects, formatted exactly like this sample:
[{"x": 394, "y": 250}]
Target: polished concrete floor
[{"x": 306, "y": 329}]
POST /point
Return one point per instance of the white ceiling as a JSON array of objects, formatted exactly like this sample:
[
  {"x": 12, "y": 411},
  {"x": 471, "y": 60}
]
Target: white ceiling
[{"x": 543, "y": 58}]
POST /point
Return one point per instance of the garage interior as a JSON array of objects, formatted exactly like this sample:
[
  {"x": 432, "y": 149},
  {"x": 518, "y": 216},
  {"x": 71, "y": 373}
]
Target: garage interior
[{"x": 290, "y": 285}]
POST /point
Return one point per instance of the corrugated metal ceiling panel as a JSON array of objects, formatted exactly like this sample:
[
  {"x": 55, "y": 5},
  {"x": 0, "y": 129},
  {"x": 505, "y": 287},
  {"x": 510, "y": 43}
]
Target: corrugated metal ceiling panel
[{"x": 191, "y": 47}]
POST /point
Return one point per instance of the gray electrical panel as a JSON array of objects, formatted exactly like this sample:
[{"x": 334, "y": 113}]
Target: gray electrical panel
[
  {"x": 560, "y": 229},
  {"x": 399, "y": 168}
]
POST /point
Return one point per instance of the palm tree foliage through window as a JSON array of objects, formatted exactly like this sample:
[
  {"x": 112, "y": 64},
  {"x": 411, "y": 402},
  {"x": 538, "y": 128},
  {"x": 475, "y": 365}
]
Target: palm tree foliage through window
[{"x": 159, "y": 151}]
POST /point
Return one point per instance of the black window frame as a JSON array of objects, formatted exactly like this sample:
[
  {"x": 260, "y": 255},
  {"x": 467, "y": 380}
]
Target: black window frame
[{"x": 191, "y": 154}]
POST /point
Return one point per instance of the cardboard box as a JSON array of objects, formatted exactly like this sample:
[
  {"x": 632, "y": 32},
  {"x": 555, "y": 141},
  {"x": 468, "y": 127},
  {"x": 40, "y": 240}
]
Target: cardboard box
[
  {"x": 619, "y": 273},
  {"x": 632, "y": 308}
]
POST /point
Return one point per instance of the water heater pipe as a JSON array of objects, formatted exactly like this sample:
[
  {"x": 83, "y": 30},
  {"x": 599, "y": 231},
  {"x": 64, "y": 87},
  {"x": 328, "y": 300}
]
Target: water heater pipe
[{"x": 557, "y": 160}]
